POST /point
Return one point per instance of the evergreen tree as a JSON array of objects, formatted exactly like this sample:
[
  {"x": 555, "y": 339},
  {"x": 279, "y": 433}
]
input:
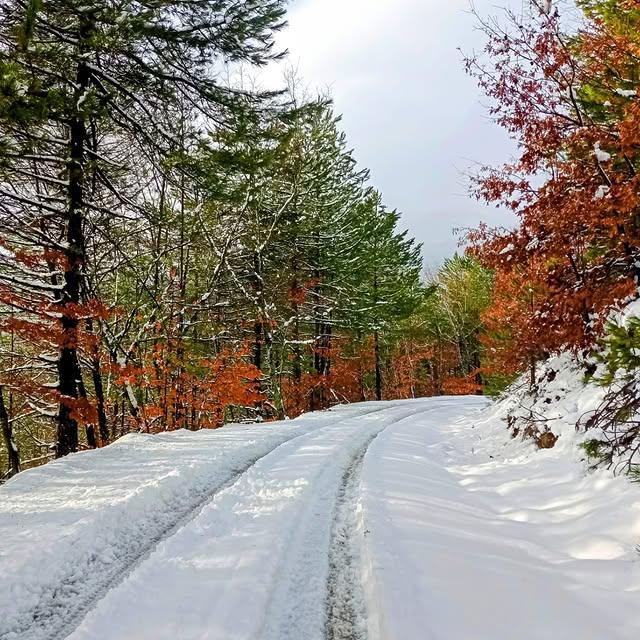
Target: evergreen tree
[
  {"x": 386, "y": 278},
  {"x": 87, "y": 89}
]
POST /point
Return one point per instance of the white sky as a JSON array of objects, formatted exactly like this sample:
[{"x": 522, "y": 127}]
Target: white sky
[{"x": 410, "y": 112}]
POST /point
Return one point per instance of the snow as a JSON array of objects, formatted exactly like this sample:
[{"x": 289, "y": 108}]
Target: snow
[
  {"x": 254, "y": 563},
  {"x": 82, "y": 99},
  {"x": 475, "y": 535},
  {"x": 412, "y": 520},
  {"x": 561, "y": 400},
  {"x": 630, "y": 310},
  {"x": 534, "y": 244},
  {"x": 601, "y": 155},
  {"x": 78, "y": 522}
]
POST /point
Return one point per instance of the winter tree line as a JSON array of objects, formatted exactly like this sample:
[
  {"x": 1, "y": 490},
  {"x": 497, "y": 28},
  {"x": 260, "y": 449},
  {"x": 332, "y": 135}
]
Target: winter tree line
[
  {"x": 563, "y": 79},
  {"x": 180, "y": 248}
]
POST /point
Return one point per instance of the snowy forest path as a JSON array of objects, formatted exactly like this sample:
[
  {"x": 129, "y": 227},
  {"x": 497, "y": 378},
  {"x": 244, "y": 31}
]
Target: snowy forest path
[
  {"x": 56, "y": 609},
  {"x": 255, "y": 562},
  {"x": 413, "y": 520}
]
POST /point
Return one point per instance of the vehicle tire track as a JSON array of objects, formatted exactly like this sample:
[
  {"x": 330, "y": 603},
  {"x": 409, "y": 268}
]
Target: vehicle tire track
[
  {"x": 345, "y": 606},
  {"x": 306, "y": 603},
  {"x": 44, "y": 628},
  {"x": 346, "y": 612}
]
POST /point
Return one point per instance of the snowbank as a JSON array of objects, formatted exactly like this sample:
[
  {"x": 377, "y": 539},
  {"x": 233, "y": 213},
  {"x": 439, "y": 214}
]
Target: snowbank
[
  {"x": 473, "y": 535},
  {"x": 562, "y": 398}
]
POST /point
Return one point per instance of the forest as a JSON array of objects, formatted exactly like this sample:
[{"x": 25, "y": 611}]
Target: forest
[
  {"x": 181, "y": 248},
  {"x": 263, "y": 375}
]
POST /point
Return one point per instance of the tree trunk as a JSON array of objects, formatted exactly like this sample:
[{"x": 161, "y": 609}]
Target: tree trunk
[
  {"x": 376, "y": 344},
  {"x": 67, "y": 432},
  {"x": 181, "y": 409},
  {"x": 376, "y": 349},
  {"x": 98, "y": 388},
  {"x": 90, "y": 428},
  {"x": 257, "y": 345},
  {"x": 532, "y": 372},
  {"x": 7, "y": 436},
  {"x": 296, "y": 365},
  {"x": 96, "y": 374},
  {"x": 259, "y": 330}
]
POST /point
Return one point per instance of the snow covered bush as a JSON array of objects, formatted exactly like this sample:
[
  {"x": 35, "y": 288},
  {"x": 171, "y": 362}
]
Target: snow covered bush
[
  {"x": 591, "y": 401},
  {"x": 615, "y": 423}
]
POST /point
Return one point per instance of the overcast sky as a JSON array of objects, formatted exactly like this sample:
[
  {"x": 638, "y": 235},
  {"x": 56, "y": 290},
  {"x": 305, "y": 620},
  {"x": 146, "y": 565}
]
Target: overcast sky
[{"x": 410, "y": 112}]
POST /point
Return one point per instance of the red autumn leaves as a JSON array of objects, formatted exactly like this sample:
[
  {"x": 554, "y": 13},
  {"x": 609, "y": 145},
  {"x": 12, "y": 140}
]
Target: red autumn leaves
[{"x": 566, "y": 94}]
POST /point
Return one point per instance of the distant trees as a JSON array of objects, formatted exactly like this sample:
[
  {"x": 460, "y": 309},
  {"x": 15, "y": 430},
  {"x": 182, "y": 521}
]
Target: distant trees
[
  {"x": 384, "y": 279},
  {"x": 449, "y": 327},
  {"x": 454, "y": 321}
]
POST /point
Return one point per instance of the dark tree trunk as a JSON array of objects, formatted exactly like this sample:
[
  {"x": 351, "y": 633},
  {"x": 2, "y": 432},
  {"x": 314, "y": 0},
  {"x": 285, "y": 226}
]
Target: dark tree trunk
[
  {"x": 67, "y": 432},
  {"x": 376, "y": 349},
  {"x": 96, "y": 374},
  {"x": 258, "y": 327},
  {"x": 297, "y": 353},
  {"x": 322, "y": 362},
  {"x": 7, "y": 436},
  {"x": 90, "y": 428},
  {"x": 376, "y": 345},
  {"x": 532, "y": 372},
  {"x": 98, "y": 388},
  {"x": 257, "y": 345},
  {"x": 181, "y": 409},
  {"x": 477, "y": 366}
]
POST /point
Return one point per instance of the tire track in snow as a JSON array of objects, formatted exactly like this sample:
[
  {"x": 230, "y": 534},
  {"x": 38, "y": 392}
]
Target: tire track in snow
[
  {"x": 346, "y": 609},
  {"x": 44, "y": 628},
  {"x": 346, "y": 612},
  {"x": 319, "y": 595},
  {"x": 61, "y": 611}
]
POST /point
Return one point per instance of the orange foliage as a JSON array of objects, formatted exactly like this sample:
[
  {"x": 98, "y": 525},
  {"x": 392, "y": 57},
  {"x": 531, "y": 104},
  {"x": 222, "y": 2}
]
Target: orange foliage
[
  {"x": 462, "y": 386},
  {"x": 197, "y": 397},
  {"x": 575, "y": 253},
  {"x": 315, "y": 391},
  {"x": 411, "y": 370},
  {"x": 408, "y": 377}
]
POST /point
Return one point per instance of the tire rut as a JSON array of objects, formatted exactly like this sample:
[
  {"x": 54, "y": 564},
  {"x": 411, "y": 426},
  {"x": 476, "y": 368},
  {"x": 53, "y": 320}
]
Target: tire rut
[
  {"x": 322, "y": 598},
  {"x": 45, "y": 628},
  {"x": 345, "y": 605}
]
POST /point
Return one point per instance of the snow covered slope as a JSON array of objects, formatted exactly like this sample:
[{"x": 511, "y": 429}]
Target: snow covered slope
[
  {"x": 562, "y": 398},
  {"x": 474, "y": 536},
  {"x": 388, "y": 521}
]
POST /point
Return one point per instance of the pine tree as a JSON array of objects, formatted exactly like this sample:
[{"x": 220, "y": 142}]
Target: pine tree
[
  {"x": 87, "y": 88},
  {"x": 386, "y": 279}
]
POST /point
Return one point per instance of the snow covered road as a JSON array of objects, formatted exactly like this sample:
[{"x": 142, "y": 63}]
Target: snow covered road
[
  {"x": 254, "y": 563},
  {"x": 73, "y": 528},
  {"x": 381, "y": 521}
]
